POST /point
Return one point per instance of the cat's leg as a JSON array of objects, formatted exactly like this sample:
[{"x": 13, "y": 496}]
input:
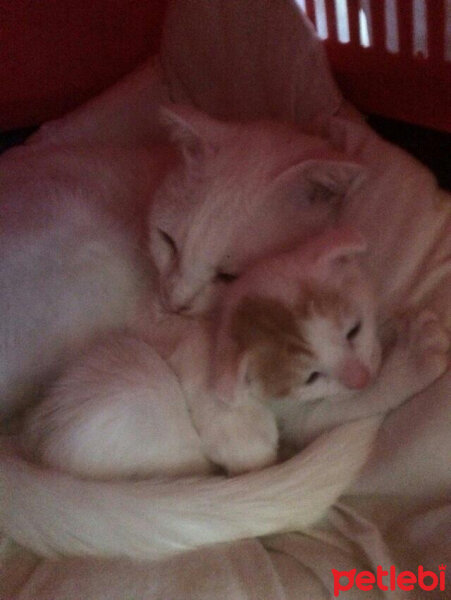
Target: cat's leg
[{"x": 417, "y": 359}]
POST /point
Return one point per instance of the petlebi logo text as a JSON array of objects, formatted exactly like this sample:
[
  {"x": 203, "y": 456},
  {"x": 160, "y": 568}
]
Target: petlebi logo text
[{"x": 389, "y": 580}]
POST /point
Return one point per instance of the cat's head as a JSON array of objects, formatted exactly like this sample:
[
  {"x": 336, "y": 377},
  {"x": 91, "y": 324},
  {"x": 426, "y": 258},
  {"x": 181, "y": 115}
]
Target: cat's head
[
  {"x": 320, "y": 342},
  {"x": 239, "y": 192}
]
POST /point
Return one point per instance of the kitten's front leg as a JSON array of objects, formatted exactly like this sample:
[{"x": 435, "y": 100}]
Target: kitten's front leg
[
  {"x": 418, "y": 358},
  {"x": 241, "y": 436},
  {"x": 237, "y": 432}
]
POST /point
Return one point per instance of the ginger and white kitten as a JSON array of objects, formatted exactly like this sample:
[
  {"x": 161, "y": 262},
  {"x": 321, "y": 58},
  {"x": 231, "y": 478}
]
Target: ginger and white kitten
[
  {"x": 298, "y": 334},
  {"x": 298, "y": 327},
  {"x": 314, "y": 303},
  {"x": 73, "y": 236}
]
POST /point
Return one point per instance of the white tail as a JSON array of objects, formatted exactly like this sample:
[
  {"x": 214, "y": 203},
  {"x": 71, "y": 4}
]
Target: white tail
[{"x": 52, "y": 513}]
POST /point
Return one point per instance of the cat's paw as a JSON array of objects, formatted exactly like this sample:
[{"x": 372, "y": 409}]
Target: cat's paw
[
  {"x": 241, "y": 438},
  {"x": 423, "y": 344}
]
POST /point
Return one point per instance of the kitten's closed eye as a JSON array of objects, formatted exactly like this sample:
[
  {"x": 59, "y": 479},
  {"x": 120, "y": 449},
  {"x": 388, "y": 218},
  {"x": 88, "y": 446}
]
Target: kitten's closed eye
[
  {"x": 313, "y": 377},
  {"x": 168, "y": 240},
  {"x": 354, "y": 332},
  {"x": 225, "y": 277}
]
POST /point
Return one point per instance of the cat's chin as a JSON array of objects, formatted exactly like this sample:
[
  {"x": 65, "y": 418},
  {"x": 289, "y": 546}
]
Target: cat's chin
[
  {"x": 182, "y": 314},
  {"x": 191, "y": 312},
  {"x": 201, "y": 307}
]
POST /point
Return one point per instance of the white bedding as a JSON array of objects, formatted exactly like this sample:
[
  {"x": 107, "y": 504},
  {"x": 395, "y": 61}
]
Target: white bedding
[{"x": 248, "y": 59}]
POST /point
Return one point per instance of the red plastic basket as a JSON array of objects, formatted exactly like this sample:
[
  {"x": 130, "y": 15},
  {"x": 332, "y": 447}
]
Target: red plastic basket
[
  {"x": 57, "y": 54},
  {"x": 390, "y": 57}
]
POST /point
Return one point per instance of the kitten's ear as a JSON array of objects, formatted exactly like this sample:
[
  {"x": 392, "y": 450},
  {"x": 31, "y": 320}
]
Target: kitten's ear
[
  {"x": 192, "y": 130},
  {"x": 337, "y": 245},
  {"x": 321, "y": 180}
]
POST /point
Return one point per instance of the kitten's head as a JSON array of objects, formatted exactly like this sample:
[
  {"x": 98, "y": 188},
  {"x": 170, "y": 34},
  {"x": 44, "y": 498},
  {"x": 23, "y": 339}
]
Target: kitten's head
[
  {"x": 324, "y": 341},
  {"x": 239, "y": 192}
]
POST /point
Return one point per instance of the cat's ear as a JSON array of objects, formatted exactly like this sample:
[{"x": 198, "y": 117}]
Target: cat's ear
[
  {"x": 191, "y": 130},
  {"x": 320, "y": 180}
]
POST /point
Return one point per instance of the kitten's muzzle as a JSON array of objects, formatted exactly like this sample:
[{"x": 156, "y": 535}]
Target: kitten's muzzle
[{"x": 354, "y": 375}]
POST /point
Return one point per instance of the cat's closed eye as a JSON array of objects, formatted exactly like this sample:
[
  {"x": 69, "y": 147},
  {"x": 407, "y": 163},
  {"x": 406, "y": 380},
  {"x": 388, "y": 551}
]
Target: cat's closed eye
[
  {"x": 313, "y": 377},
  {"x": 354, "y": 331},
  {"x": 169, "y": 241},
  {"x": 225, "y": 277}
]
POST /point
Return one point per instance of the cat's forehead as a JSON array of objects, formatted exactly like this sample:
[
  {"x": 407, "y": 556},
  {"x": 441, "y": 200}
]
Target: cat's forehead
[
  {"x": 224, "y": 222},
  {"x": 220, "y": 210},
  {"x": 317, "y": 313},
  {"x": 286, "y": 343},
  {"x": 264, "y": 148}
]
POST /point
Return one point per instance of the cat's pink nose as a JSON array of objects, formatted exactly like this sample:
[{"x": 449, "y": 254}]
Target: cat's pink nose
[{"x": 354, "y": 375}]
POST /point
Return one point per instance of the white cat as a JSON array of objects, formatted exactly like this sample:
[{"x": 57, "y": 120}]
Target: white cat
[
  {"x": 285, "y": 320},
  {"x": 242, "y": 192},
  {"x": 73, "y": 229}
]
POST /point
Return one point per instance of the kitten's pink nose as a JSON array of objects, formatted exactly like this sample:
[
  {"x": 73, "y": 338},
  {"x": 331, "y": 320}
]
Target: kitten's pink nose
[{"x": 354, "y": 375}]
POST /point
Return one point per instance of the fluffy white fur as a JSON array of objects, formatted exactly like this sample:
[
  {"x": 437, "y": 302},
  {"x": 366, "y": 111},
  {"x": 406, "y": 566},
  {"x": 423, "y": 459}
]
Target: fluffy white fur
[
  {"x": 73, "y": 229},
  {"x": 72, "y": 262}
]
